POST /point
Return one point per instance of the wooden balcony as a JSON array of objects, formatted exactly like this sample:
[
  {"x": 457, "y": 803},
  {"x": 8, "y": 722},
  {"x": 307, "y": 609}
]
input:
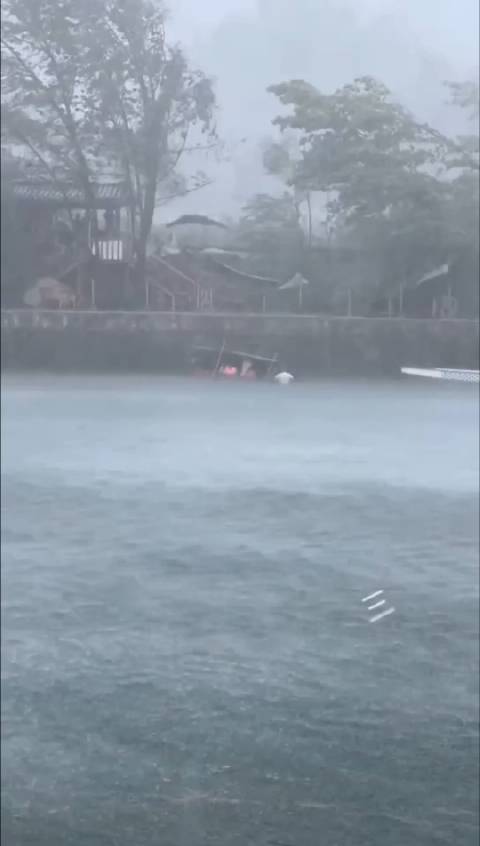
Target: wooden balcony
[{"x": 112, "y": 248}]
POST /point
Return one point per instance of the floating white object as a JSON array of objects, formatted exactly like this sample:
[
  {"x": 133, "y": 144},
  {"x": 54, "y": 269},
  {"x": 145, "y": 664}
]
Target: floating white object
[
  {"x": 383, "y": 614},
  {"x": 372, "y": 596},
  {"x": 284, "y": 378},
  {"x": 451, "y": 374},
  {"x": 381, "y": 602}
]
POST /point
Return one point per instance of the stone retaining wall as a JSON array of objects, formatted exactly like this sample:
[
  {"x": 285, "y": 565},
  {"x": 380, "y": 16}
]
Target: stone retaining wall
[{"x": 309, "y": 344}]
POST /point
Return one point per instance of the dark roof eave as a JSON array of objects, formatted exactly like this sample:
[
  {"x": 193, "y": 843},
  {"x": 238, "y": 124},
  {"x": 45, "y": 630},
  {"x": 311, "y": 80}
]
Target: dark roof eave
[
  {"x": 47, "y": 195},
  {"x": 196, "y": 219},
  {"x": 227, "y": 352},
  {"x": 241, "y": 274}
]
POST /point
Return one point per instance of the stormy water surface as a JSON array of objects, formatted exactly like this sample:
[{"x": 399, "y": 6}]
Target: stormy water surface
[{"x": 186, "y": 656}]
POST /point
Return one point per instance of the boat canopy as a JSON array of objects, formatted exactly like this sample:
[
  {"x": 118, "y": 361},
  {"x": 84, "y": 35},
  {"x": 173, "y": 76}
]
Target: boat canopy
[{"x": 213, "y": 358}]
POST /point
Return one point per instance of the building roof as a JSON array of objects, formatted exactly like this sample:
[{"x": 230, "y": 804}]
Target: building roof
[
  {"x": 296, "y": 282},
  {"x": 443, "y": 270},
  {"x": 235, "y": 354},
  {"x": 196, "y": 219},
  {"x": 236, "y": 273},
  {"x": 108, "y": 195}
]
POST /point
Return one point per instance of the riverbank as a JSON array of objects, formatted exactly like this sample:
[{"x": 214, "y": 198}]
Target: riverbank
[{"x": 312, "y": 345}]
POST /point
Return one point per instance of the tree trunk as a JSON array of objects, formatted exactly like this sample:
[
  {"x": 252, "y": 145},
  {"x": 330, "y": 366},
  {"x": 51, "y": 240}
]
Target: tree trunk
[
  {"x": 310, "y": 231},
  {"x": 145, "y": 228}
]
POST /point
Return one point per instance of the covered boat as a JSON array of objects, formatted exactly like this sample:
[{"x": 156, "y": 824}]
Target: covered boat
[
  {"x": 230, "y": 363},
  {"x": 451, "y": 374}
]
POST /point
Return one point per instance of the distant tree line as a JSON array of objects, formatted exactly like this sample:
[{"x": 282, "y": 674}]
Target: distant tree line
[
  {"x": 94, "y": 86},
  {"x": 393, "y": 188}
]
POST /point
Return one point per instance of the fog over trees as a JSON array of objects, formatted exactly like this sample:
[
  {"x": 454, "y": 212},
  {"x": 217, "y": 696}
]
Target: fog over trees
[{"x": 303, "y": 124}]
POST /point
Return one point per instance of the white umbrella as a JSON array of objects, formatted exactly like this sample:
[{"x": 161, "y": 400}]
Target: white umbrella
[
  {"x": 296, "y": 283},
  {"x": 284, "y": 378}
]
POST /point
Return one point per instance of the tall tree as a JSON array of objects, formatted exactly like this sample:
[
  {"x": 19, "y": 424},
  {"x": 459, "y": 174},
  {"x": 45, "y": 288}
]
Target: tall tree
[
  {"x": 270, "y": 230},
  {"x": 359, "y": 144},
  {"x": 95, "y": 85},
  {"x": 466, "y": 96},
  {"x": 152, "y": 106},
  {"x": 462, "y": 210},
  {"x": 376, "y": 163},
  {"x": 44, "y": 106},
  {"x": 279, "y": 159}
]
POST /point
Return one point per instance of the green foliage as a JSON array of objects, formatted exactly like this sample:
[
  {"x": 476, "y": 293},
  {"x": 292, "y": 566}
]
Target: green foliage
[
  {"x": 43, "y": 85},
  {"x": 270, "y": 231},
  {"x": 95, "y": 85},
  {"x": 17, "y": 255},
  {"x": 359, "y": 144},
  {"x": 145, "y": 97},
  {"x": 271, "y": 213},
  {"x": 464, "y": 152},
  {"x": 462, "y": 208},
  {"x": 385, "y": 175},
  {"x": 465, "y": 95}
]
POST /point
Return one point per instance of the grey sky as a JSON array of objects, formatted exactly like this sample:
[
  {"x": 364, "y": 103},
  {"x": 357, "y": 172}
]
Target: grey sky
[
  {"x": 246, "y": 45},
  {"x": 449, "y": 26}
]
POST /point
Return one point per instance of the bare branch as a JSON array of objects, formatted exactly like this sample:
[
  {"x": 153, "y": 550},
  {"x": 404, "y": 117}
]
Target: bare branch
[{"x": 168, "y": 199}]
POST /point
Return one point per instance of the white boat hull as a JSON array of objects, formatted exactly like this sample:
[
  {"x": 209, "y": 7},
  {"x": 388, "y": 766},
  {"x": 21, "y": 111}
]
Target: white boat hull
[{"x": 451, "y": 374}]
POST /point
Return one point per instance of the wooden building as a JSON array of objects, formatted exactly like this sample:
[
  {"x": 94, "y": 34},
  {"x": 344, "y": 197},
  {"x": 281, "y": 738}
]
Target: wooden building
[
  {"x": 450, "y": 290},
  {"x": 197, "y": 268},
  {"x": 90, "y": 255},
  {"x": 198, "y": 282}
]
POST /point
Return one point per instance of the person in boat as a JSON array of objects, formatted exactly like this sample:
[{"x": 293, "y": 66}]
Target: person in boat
[
  {"x": 248, "y": 371},
  {"x": 229, "y": 371},
  {"x": 284, "y": 378}
]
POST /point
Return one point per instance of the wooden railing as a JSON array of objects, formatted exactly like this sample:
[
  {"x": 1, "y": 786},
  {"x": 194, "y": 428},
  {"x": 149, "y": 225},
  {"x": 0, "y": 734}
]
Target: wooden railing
[{"x": 112, "y": 248}]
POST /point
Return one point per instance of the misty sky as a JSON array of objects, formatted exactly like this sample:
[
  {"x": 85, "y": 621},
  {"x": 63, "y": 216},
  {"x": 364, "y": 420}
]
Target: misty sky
[
  {"x": 246, "y": 45},
  {"x": 448, "y": 26}
]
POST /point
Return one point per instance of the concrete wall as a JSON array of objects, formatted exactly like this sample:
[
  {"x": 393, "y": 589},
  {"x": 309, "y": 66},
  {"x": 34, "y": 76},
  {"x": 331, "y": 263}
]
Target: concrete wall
[{"x": 307, "y": 344}]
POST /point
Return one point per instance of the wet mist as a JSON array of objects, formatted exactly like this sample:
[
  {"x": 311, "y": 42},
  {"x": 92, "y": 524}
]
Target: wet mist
[{"x": 248, "y": 45}]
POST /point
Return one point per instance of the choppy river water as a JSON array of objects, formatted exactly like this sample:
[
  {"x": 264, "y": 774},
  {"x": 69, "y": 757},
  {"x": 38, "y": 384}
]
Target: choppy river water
[{"x": 186, "y": 656}]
